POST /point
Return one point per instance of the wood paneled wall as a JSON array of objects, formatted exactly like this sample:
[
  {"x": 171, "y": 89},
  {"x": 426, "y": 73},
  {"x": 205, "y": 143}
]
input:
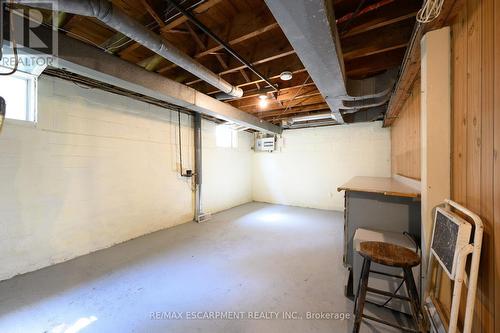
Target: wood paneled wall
[
  {"x": 405, "y": 137},
  {"x": 475, "y": 140}
]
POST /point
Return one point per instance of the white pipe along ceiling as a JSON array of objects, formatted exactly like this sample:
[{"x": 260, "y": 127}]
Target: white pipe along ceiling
[
  {"x": 115, "y": 18},
  {"x": 74, "y": 57}
]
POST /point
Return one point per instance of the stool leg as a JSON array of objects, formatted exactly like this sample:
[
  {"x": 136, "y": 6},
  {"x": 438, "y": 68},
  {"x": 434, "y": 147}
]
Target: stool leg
[
  {"x": 359, "y": 286},
  {"x": 361, "y": 296},
  {"x": 415, "y": 300}
]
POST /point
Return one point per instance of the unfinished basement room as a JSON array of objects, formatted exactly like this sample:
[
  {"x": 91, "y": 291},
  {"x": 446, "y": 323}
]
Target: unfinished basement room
[{"x": 256, "y": 166}]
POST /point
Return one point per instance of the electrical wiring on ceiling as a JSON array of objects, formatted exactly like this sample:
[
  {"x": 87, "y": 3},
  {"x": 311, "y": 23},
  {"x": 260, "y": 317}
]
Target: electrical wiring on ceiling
[{"x": 429, "y": 11}]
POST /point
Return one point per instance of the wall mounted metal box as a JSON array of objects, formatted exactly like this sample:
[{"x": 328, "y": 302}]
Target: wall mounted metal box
[{"x": 267, "y": 144}]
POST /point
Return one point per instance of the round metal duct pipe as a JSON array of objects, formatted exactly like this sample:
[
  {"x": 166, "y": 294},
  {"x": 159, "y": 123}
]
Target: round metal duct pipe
[{"x": 112, "y": 16}]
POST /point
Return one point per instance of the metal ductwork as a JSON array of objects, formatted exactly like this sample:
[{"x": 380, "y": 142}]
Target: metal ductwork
[
  {"x": 311, "y": 29},
  {"x": 113, "y": 17},
  {"x": 80, "y": 59}
]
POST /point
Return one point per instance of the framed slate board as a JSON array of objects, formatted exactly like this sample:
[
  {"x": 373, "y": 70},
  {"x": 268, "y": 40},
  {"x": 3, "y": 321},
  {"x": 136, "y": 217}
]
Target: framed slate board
[{"x": 451, "y": 233}]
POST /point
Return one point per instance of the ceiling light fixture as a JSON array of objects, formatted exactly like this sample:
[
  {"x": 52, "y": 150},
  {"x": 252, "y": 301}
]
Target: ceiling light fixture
[
  {"x": 263, "y": 101},
  {"x": 286, "y": 76}
]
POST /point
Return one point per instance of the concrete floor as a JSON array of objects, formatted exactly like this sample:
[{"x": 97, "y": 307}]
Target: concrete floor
[{"x": 252, "y": 258}]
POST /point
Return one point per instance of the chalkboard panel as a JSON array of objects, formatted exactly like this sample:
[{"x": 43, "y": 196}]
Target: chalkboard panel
[{"x": 445, "y": 240}]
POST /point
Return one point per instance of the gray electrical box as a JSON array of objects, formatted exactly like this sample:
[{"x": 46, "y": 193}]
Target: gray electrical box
[{"x": 267, "y": 144}]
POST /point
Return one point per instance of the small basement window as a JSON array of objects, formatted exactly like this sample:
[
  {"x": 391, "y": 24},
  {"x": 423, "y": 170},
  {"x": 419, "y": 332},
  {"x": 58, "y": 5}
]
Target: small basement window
[
  {"x": 226, "y": 136},
  {"x": 19, "y": 92}
]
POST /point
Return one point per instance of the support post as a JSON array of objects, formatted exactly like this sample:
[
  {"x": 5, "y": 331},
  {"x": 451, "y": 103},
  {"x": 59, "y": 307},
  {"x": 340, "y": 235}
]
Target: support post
[
  {"x": 198, "y": 167},
  {"x": 435, "y": 129}
]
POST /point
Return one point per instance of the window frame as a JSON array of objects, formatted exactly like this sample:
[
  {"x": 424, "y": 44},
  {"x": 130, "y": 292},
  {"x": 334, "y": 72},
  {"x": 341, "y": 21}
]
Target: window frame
[
  {"x": 31, "y": 112},
  {"x": 233, "y": 136}
]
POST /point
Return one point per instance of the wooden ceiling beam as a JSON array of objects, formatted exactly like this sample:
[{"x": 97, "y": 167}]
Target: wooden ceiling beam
[
  {"x": 369, "y": 51},
  {"x": 151, "y": 63},
  {"x": 276, "y": 105},
  {"x": 275, "y": 76},
  {"x": 115, "y": 42},
  {"x": 368, "y": 27},
  {"x": 357, "y": 68},
  {"x": 194, "y": 35},
  {"x": 298, "y": 79},
  {"x": 271, "y": 71},
  {"x": 250, "y": 99},
  {"x": 198, "y": 10},
  {"x": 411, "y": 71},
  {"x": 267, "y": 51},
  {"x": 265, "y": 56},
  {"x": 153, "y": 13},
  {"x": 60, "y": 19},
  {"x": 344, "y": 7},
  {"x": 77, "y": 27},
  {"x": 166, "y": 27},
  {"x": 241, "y": 38},
  {"x": 249, "y": 94},
  {"x": 249, "y": 26},
  {"x": 366, "y": 66},
  {"x": 263, "y": 114},
  {"x": 202, "y": 46},
  {"x": 377, "y": 40},
  {"x": 252, "y": 105},
  {"x": 385, "y": 15},
  {"x": 363, "y": 51}
]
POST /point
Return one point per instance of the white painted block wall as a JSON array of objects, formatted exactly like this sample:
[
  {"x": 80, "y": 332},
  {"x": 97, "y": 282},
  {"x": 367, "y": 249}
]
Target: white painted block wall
[
  {"x": 313, "y": 162},
  {"x": 227, "y": 172},
  {"x": 99, "y": 169}
]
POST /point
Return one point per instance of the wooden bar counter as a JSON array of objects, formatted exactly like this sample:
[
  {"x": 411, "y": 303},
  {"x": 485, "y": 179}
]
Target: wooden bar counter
[{"x": 378, "y": 203}]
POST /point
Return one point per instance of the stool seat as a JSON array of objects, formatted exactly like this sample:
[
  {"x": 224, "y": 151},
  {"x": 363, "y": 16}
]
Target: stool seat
[
  {"x": 395, "y": 256},
  {"x": 389, "y": 254}
]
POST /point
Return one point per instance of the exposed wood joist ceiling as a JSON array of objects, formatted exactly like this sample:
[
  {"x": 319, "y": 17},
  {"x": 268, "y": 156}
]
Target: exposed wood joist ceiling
[{"x": 374, "y": 35}]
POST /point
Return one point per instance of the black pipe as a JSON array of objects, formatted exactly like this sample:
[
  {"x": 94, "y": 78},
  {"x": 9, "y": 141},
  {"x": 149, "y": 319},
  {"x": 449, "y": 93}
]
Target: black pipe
[
  {"x": 188, "y": 173},
  {"x": 222, "y": 43},
  {"x": 197, "y": 148},
  {"x": 176, "y": 15}
]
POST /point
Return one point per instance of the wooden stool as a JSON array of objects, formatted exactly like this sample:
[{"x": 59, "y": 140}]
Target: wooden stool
[{"x": 394, "y": 256}]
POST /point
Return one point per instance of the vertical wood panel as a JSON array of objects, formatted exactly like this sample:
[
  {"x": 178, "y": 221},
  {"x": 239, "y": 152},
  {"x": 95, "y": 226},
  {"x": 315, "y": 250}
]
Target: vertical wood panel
[
  {"x": 473, "y": 194},
  {"x": 459, "y": 107},
  {"x": 475, "y": 169},
  {"x": 487, "y": 203},
  {"x": 405, "y": 135},
  {"x": 496, "y": 166},
  {"x": 475, "y": 142},
  {"x": 474, "y": 105}
]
